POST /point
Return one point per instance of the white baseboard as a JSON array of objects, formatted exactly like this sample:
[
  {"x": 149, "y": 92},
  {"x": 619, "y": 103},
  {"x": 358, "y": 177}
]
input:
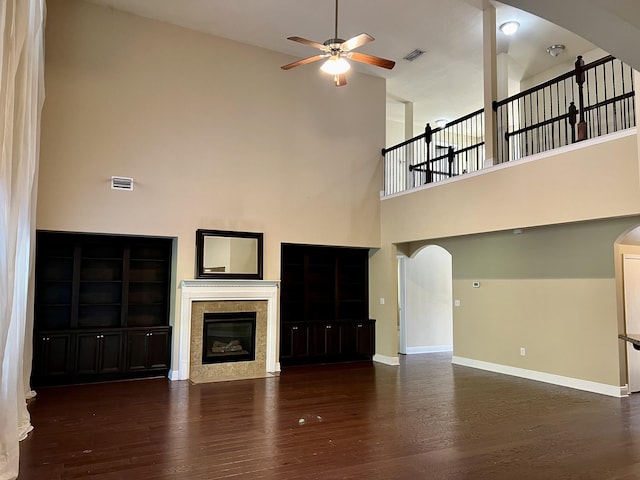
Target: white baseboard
[
  {"x": 578, "y": 384},
  {"x": 394, "y": 361},
  {"x": 431, "y": 349}
]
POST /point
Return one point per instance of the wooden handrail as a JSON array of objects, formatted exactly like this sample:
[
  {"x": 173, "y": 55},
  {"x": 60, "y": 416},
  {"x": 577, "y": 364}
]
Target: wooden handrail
[{"x": 554, "y": 80}]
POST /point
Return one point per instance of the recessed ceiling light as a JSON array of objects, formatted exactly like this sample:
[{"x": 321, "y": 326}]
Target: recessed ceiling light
[{"x": 509, "y": 28}]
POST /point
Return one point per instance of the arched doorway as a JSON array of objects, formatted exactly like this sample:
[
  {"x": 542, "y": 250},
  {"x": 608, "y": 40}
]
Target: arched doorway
[
  {"x": 628, "y": 249},
  {"x": 426, "y": 301}
]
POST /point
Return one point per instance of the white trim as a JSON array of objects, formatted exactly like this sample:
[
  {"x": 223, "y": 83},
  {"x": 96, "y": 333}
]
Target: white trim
[
  {"x": 514, "y": 163},
  {"x": 393, "y": 361},
  {"x": 430, "y": 349},
  {"x": 402, "y": 304},
  {"x": 578, "y": 384},
  {"x": 217, "y": 290}
]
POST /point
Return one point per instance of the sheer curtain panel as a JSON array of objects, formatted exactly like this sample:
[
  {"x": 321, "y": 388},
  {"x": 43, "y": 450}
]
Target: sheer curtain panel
[{"x": 21, "y": 97}]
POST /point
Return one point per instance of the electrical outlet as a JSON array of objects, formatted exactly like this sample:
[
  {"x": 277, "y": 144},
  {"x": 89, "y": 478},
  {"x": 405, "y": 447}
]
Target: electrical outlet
[
  {"x": 456, "y": 303},
  {"x": 523, "y": 352},
  {"x": 381, "y": 301}
]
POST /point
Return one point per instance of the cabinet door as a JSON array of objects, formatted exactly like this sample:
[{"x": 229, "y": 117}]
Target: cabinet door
[
  {"x": 137, "y": 350},
  {"x": 98, "y": 353},
  {"x": 148, "y": 350},
  {"x": 110, "y": 353},
  {"x": 365, "y": 339},
  {"x": 358, "y": 339},
  {"x": 87, "y": 353},
  {"x": 51, "y": 354},
  {"x": 328, "y": 339},
  {"x": 158, "y": 352},
  {"x": 294, "y": 341}
]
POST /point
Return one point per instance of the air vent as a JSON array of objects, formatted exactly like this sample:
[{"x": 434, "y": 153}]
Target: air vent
[
  {"x": 411, "y": 56},
  {"x": 121, "y": 183}
]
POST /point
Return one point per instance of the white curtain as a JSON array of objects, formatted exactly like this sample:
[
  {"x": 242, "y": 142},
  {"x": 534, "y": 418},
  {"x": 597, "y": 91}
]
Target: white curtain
[{"x": 21, "y": 97}]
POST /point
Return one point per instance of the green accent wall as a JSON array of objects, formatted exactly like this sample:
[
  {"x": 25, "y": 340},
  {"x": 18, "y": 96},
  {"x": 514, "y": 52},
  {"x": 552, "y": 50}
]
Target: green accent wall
[{"x": 576, "y": 250}]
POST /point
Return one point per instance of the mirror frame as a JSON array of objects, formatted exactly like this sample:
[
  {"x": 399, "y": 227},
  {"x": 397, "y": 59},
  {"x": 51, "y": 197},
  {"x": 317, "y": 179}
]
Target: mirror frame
[{"x": 202, "y": 234}]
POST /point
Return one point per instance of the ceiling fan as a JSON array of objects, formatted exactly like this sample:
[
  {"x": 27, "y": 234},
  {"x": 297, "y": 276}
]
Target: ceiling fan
[{"x": 336, "y": 51}]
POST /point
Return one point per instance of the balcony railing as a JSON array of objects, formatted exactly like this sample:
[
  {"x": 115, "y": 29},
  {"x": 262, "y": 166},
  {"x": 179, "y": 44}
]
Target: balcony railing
[
  {"x": 589, "y": 101},
  {"x": 435, "y": 155}
]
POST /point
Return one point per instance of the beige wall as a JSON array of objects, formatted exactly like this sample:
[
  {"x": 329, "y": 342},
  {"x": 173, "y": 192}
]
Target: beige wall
[
  {"x": 213, "y": 132},
  {"x": 596, "y": 181}
]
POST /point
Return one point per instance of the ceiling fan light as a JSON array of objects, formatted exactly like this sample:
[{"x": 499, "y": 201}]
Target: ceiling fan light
[{"x": 335, "y": 66}]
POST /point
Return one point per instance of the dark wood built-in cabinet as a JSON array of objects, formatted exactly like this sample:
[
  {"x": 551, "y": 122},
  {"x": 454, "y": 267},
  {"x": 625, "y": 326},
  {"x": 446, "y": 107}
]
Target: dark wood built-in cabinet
[
  {"x": 324, "y": 305},
  {"x": 101, "y": 307}
]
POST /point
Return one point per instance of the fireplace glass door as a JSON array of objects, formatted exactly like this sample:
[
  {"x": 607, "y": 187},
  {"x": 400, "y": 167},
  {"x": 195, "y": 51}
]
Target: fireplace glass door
[{"x": 229, "y": 337}]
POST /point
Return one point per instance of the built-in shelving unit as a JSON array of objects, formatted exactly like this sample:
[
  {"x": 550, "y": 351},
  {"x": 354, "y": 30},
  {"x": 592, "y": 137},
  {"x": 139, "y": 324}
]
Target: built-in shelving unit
[
  {"x": 324, "y": 305},
  {"x": 101, "y": 307}
]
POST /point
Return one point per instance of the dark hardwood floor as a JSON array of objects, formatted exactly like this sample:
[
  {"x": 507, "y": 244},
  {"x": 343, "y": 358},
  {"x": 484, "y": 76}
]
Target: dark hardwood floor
[{"x": 427, "y": 419}]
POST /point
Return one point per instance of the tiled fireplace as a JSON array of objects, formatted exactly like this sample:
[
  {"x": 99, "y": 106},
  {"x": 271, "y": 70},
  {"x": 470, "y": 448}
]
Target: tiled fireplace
[{"x": 228, "y": 330}]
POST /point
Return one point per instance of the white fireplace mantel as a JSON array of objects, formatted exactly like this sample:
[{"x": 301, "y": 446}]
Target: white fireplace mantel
[{"x": 219, "y": 290}]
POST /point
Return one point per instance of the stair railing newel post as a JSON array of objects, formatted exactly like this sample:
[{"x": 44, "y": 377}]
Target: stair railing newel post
[
  {"x": 582, "y": 124},
  {"x": 427, "y": 139}
]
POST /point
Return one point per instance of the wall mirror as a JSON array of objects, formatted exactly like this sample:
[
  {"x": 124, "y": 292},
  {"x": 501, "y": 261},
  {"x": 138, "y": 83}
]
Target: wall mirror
[{"x": 228, "y": 254}]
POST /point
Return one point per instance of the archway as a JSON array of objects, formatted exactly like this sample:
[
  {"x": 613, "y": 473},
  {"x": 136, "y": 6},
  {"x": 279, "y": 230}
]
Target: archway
[
  {"x": 627, "y": 248},
  {"x": 426, "y": 301}
]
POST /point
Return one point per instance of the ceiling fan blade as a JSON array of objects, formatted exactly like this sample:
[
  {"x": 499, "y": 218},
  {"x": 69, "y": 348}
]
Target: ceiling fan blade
[
  {"x": 340, "y": 80},
  {"x": 371, "y": 60},
  {"x": 311, "y": 43},
  {"x": 304, "y": 61},
  {"x": 356, "y": 42}
]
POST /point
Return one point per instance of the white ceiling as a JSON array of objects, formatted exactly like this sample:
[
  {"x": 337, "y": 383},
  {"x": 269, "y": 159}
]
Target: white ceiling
[{"x": 446, "y": 82}]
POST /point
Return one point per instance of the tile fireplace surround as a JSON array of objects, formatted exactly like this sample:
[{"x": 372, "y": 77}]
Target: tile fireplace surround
[{"x": 199, "y": 296}]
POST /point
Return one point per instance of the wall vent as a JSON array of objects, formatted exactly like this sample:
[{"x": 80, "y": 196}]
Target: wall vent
[
  {"x": 411, "y": 56},
  {"x": 121, "y": 183}
]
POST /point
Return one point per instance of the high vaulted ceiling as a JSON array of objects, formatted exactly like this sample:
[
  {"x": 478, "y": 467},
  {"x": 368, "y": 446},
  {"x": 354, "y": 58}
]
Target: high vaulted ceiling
[{"x": 446, "y": 82}]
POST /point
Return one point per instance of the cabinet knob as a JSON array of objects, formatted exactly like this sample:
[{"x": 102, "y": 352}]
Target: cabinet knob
[
  {"x": 151, "y": 334},
  {"x": 328, "y": 326},
  {"x": 294, "y": 328},
  {"x": 359, "y": 326}
]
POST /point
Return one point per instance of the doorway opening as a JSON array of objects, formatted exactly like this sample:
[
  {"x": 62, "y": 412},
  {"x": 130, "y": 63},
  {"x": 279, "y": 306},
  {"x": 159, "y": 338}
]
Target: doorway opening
[
  {"x": 425, "y": 298},
  {"x": 628, "y": 245}
]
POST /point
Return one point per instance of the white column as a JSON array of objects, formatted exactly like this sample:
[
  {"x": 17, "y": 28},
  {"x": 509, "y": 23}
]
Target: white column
[
  {"x": 490, "y": 83},
  {"x": 408, "y": 120}
]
